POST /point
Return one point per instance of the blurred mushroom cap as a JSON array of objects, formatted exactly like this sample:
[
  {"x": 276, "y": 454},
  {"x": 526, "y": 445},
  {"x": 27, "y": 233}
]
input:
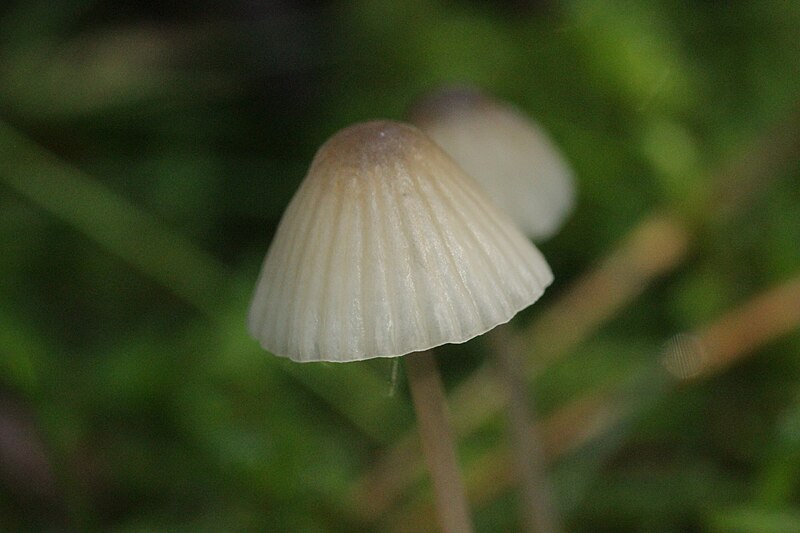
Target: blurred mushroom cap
[
  {"x": 508, "y": 154},
  {"x": 388, "y": 248}
]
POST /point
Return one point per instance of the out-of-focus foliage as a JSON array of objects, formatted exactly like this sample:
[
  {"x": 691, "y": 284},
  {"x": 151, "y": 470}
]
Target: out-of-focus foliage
[{"x": 148, "y": 150}]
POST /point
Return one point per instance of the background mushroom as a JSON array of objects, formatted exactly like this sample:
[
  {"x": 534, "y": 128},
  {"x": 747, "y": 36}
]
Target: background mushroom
[
  {"x": 512, "y": 158},
  {"x": 388, "y": 248},
  {"x": 523, "y": 172}
]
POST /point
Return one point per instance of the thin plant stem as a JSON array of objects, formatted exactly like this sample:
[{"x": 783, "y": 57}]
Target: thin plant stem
[
  {"x": 537, "y": 508},
  {"x": 438, "y": 444},
  {"x": 393, "y": 378},
  {"x": 736, "y": 334}
]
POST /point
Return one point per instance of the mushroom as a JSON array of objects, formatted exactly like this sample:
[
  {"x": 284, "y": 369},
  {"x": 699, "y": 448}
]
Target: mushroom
[
  {"x": 389, "y": 248},
  {"x": 523, "y": 172},
  {"x": 508, "y": 154}
]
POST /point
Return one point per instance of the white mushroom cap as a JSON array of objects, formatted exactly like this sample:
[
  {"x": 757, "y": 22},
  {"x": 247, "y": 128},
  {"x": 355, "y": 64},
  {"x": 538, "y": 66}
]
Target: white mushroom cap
[
  {"x": 509, "y": 155},
  {"x": 389, "y": 248}
]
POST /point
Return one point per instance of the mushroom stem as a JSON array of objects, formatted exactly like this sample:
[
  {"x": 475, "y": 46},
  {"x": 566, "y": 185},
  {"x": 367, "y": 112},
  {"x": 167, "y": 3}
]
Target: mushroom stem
[
  {"x": 438, "y": 444},
  {"x": 538, "y": 511}
]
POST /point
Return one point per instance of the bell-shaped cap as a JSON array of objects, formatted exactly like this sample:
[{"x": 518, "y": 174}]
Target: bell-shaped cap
[
  {"x": 389, "y": 248},
  {"x": 508, "y": 154}
]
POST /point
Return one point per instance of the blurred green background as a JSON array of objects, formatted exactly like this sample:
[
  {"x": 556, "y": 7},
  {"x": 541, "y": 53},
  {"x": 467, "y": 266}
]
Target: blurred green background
[{"x": 147, "y": 151}]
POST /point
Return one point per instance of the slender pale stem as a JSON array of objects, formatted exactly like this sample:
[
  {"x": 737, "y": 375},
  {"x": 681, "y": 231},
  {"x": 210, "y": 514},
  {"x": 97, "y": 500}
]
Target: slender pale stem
[
  {"x": 537, "y": 502},
  {"x": 438, "y": 444}
]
